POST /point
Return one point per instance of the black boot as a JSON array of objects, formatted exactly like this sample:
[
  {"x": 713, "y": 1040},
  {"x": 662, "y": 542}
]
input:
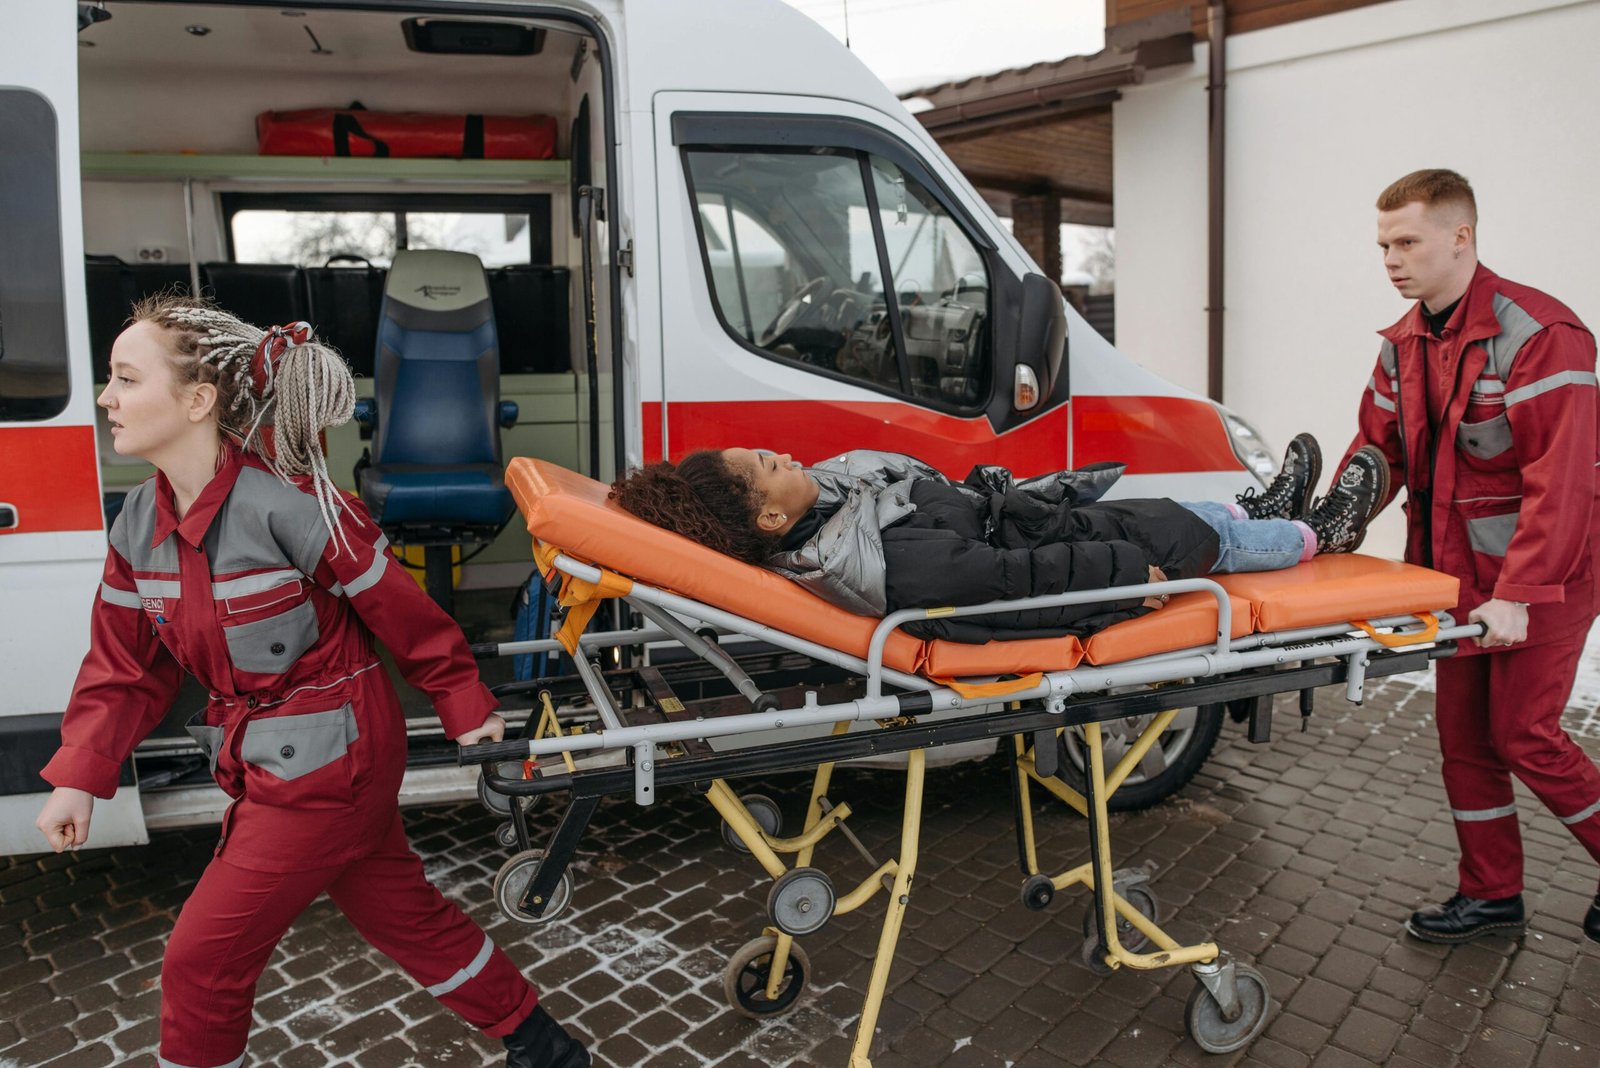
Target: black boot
[
  {"x": 540, "y": 1042},
  {"x": 1340, "y": 519},
  {"x": 1289, "y": 496},
  {"x": 1463, "y": 918},
  {"x": 1591, "y": 920}
]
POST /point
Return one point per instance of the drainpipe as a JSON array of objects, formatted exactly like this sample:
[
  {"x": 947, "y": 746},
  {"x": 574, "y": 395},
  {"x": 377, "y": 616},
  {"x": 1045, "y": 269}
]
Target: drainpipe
[{"x": 1216, "y": 89}]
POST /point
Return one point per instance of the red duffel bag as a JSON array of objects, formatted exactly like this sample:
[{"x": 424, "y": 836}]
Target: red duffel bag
[{"x": 410, "y": 134}]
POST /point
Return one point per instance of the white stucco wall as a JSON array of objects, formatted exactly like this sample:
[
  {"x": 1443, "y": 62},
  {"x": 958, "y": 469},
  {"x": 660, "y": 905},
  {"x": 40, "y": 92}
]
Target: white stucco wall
[{"x": 1322, "y": 114}]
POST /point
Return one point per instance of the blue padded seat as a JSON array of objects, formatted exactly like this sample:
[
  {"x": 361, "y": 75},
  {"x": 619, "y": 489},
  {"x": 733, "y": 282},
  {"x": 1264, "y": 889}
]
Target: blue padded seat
[{"x": 436, "y": 448}]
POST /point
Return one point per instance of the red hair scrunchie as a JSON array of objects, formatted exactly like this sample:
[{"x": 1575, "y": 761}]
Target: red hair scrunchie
[{"x": 279, "y": 340}]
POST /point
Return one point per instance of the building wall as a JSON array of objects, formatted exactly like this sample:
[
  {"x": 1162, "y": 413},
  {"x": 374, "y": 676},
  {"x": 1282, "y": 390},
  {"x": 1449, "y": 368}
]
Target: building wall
[
  {"x": 1243, "y": 15},
  {"x": 1322, "y": 114}
]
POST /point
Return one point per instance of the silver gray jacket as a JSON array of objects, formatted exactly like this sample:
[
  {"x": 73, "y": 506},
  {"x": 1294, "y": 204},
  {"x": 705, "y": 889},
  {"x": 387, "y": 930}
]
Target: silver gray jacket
[{"x": 862, "y": 492}]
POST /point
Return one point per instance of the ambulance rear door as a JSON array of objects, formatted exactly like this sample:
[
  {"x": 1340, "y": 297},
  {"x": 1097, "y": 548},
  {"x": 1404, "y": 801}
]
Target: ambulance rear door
[{"x": 52, "y": 527}]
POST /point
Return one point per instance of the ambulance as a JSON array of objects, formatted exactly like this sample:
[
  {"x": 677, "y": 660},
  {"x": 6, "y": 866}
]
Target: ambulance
[{"x": 739, "y": 237}]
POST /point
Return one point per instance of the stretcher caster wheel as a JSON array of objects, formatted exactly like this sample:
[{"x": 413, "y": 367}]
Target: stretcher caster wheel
[
  {"x": 1128, "y": 936},
  {"x": 497, "y": 803},
  {"x": 744, "y": 980},
  {"x": 513, "y": 878},
  {"x": 1209, "y": 1028},
  {"x": 1038, "y": 891},
  {"x": 764, "y": 810},
  {"x": 801, "y": 901},
  {"x": 506, "y": 835}
]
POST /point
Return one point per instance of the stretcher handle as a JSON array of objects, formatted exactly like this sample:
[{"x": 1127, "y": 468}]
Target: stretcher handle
[
  {"x": 492, "y": 752},
  {"x": 1397, "y": 641}
]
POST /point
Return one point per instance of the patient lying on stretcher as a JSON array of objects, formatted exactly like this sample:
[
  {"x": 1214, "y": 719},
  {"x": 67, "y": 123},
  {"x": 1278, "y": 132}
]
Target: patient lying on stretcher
[{"x": 874, "y": 532}]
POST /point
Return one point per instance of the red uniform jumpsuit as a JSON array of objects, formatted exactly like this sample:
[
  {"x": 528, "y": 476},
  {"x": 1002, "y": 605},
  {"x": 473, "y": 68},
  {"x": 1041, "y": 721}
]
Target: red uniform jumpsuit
[
  {"x": 1502, "y": 494},
  {"x": 251, "y": 595}
]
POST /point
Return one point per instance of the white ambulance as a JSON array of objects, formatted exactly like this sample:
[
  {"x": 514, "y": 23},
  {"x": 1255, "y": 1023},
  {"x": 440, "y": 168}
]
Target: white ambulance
[{"x": 743, "y": 238}]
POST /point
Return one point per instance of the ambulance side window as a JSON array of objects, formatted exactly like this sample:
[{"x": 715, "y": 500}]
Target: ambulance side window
[
  {"x": 34, "y": 382},
  {"x": 797, "y": 245}
]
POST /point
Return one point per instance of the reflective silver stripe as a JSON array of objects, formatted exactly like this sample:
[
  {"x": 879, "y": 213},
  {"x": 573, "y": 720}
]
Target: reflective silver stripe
[
  {"x": 1480, "y": 815},
  {"x": 122, "y": 598},
  {"x": 1516, "y": 327},
  {"x": 1545, "y": 385},
  {"x": 164, "y": 1063},
  {"x": 1389, "y": 358},
  {"x": 382, "y": 544},
  {"x": 439, "y": 990},
  {"x": 252, "y": 583},
  {"x": 368, "y": 578},
  {"x": 1382, "y": 402},
  {"x": 158, "y": 587},
  {"x": 1579, "y": 817},
  {"x": 298, "y": 690}
]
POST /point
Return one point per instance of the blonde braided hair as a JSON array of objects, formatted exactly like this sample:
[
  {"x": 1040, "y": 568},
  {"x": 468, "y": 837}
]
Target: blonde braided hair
[{"x": 303, "y": 392}]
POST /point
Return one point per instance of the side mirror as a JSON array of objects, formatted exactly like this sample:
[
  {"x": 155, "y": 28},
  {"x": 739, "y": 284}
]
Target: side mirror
[{"x": 1041, "y": 341}]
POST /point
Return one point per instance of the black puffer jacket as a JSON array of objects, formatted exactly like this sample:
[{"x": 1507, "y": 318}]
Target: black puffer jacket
[
  {"x": 890, "y": 532},
  {"x": 938, "y": 555}
]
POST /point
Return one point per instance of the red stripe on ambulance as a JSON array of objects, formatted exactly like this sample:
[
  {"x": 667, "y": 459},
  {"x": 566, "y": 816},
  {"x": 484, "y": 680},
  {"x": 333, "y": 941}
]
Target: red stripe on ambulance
[{"x": 51, "y": 476}]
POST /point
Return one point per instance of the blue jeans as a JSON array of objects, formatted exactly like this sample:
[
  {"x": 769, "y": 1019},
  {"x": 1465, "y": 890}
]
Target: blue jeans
[{"x": 1250, "y": 544}]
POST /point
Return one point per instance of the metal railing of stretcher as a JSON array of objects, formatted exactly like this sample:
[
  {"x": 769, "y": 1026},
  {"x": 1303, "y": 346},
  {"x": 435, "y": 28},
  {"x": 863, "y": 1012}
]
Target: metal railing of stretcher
[{"x": 606, "y": 755}]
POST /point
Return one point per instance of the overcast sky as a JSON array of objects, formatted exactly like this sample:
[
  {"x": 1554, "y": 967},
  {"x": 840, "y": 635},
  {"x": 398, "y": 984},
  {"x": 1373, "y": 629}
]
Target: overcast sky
[{"x": 914, "y": 43}]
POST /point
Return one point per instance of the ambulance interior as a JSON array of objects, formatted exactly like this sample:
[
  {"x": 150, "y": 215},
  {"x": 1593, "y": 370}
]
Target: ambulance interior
[{"x": 174, "y": 191}]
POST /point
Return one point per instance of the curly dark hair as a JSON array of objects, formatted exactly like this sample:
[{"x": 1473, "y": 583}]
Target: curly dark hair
[{"x": 703, "y": 499}]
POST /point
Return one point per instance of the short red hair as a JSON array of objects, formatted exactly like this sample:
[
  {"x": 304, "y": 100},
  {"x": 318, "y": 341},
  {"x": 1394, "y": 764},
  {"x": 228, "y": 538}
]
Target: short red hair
[{"x": 1433, "y": 187}]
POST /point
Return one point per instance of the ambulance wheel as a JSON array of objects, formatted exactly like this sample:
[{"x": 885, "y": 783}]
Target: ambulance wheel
[
  {"x": 1180, "y": 752},
  {"x": 1129, "y": 937},
  {"x": 513, "y": 878},
  {"x": 506, "y": 835},
  {"x": 1038, "y": 891},
  {"x": 744, "y": 980},
  {"x": 1204, "y": 1018},
  {"x": 801, "y": 901},
  {"x": 764, "y": 810}
]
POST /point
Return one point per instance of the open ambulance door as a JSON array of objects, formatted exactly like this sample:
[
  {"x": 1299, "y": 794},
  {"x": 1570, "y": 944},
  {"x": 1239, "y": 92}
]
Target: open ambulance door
[
  {"x": 52, "y": 529},
  {"x": 780, "y": 220}
]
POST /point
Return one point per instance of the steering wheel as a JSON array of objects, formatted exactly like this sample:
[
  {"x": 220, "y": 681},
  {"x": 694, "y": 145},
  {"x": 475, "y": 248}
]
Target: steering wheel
[{"x": 790, "y": 311}]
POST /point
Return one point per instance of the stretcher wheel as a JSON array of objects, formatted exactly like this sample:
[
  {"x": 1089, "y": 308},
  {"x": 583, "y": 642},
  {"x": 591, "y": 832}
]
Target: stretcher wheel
[
  {"x": 1128, "y": 936},
  {"x": 1038, "y": 891},
  {"x": 506, "y": 834},
  {"x": 497, "y": 803},
  {"x": 744, "y": 980},
  {"x": 513, "y": 879},
  {"x": 801, "y": 901},
  {"x": 764, "y": 810},
  {"x": 1203, "y": 1015}
]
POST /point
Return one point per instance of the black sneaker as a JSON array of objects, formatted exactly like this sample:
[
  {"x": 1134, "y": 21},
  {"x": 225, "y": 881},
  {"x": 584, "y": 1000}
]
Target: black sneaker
[
  {"x": 1463, "y": 918},
  {"x": 540, "y": 1042},
  {"x": 1591, "y": 921},
  {"x": 1289, "y": 496},
  {"x": 1340, "y": 519}
]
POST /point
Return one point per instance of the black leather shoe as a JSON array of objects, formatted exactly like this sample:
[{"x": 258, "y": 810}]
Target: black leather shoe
[
  {"x": 1289, "y": 496},
  {"x": 540, "y": 1042},
  {"x": 1591, "y": 920},
  {"x": 1463, "y": 918}
]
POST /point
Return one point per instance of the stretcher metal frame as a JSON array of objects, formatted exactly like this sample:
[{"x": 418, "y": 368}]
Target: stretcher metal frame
[{"x": 1039, "y": 716}]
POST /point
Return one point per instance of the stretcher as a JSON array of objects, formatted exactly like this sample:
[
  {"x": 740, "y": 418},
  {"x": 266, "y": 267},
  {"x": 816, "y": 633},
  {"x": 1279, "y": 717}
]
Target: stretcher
[{"x": 821, "y": 685}]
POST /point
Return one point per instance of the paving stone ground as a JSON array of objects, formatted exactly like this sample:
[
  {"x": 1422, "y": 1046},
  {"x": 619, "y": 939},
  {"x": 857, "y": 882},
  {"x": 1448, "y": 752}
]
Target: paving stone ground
[{"x": 1302, "y": 857}]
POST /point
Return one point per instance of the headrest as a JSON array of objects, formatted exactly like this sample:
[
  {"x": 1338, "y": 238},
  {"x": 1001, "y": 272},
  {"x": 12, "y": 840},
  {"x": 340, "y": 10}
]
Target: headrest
[{"x": 434, "y": 281}]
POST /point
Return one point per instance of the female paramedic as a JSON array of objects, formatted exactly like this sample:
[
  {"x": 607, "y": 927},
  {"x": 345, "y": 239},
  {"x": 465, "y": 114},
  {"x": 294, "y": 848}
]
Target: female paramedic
[
  {"x": 241, "y": 564},
  {"x": 875, "y": 532}
]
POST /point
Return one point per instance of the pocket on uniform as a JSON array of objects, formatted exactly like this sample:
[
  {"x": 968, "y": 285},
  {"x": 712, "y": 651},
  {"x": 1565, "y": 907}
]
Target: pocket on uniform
[
  {"x": 271, "y": 646},
  {"x": 1485, "y": 440},
  {"x": 1491, "y": 534},
  {"x": 301, "y": 759},
  {"x": 208, "y": 738}
]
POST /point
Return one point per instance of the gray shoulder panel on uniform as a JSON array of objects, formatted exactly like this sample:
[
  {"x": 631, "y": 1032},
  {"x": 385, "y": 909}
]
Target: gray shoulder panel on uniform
[
  {"x": 1387, "y": 357},
  {"x": 133, "y": 528},
  {"x": 264, "y": 522},
  {"x": 1516, "y": 327}
]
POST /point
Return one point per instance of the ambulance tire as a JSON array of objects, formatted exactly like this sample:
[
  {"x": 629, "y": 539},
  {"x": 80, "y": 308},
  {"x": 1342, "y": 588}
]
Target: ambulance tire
[{"x": 1185, "y": 749}]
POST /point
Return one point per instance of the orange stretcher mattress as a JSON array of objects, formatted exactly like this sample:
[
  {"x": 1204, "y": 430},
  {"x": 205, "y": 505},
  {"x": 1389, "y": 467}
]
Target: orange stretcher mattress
[{"x": 571, "y": 511}]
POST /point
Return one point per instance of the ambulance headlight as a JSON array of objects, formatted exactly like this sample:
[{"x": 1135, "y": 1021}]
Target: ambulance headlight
[{"x": 1249, "y": 447}]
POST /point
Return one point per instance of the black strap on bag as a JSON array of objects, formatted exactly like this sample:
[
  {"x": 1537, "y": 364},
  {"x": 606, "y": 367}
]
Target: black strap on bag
[
  {"x": 345, "y": 125},
  {"x": 472, "y": 138}
]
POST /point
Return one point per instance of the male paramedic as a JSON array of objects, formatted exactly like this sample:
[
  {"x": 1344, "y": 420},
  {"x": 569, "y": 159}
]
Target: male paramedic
[{"x": 1484, "y": 401}]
